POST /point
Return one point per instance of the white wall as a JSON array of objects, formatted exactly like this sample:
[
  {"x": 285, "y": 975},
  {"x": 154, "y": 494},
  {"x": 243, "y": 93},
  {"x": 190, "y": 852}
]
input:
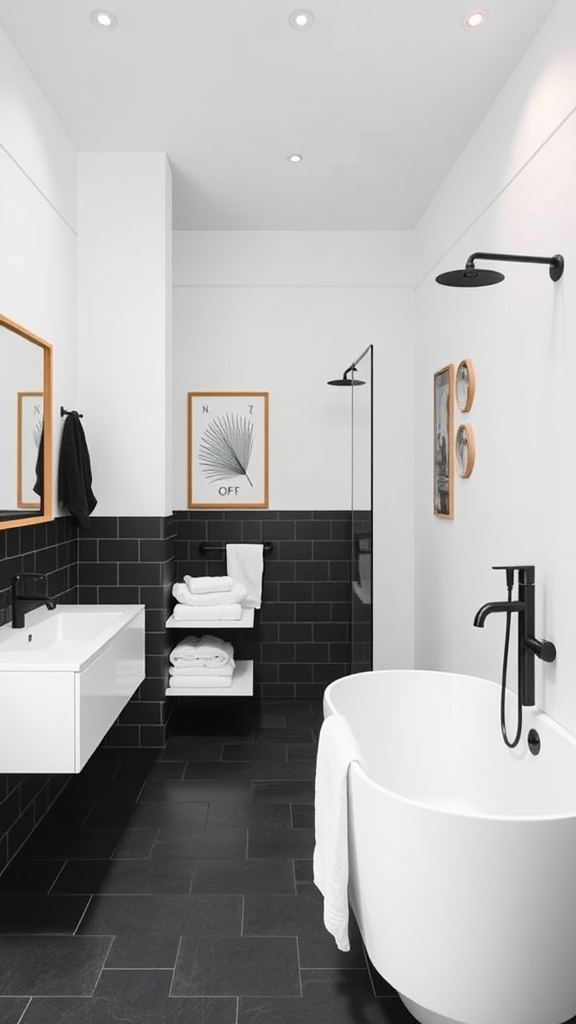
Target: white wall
[
  {"x": 124, "y": 320},
  {"x": 37, "y": 222},
  {"x": 511, "y": 191},
  {"x": 284, "y": 312}
]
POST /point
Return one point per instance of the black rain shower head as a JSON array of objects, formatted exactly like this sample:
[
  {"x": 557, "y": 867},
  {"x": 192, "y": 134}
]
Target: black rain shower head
[
  {"x": 472, "y": 277},
  {"x": 345, "y": 381}
]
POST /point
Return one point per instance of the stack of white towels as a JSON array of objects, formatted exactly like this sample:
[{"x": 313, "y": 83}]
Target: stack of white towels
[
  {"x": 202, "y": 661},
  {"x": 208, "y": 598}
]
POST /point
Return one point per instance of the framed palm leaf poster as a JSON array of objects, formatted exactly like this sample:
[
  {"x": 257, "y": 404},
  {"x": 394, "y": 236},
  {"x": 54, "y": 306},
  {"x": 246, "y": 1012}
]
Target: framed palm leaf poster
[{"x": 227, "y": 449}]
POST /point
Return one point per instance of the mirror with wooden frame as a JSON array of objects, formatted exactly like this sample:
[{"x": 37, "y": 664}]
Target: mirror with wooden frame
[{"x": 26, "y": 487}]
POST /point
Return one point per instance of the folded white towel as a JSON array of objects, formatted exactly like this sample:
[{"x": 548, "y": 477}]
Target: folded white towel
[
  {"x": 210, "y": 651},
  {"x": 224, "y": 671},
  {"x": 191, "y": 681},
  {"x": 212, "y": 613},
  {"x": 208, "y": 584},
  {"x": 337, "y": 748},
  {"x": 245, "y": 564},
  {"x": 183, "y": 595}
]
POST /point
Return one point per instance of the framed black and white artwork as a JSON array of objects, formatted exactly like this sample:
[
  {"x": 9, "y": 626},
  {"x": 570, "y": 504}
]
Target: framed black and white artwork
[
  {"x": 443, "y": 442},
  {"x": 227, "y": 449}
]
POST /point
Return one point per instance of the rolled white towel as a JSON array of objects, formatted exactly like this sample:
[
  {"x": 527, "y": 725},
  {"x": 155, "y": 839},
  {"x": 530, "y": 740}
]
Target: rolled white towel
[
  {"x": 201, "y": 670},
  {"x": 208, "y": 584},
  {"x": 210, "y": 651},
  {"x": 182, "y": 594},
  {"x": 211, "y": 613},
  {"x": 219, "y": 683}
]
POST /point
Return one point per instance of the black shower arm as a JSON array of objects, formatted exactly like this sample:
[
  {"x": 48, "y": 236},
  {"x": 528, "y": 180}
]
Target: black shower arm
[
  {"x": 354, "y": 365},
  {"x": 556, "y": 262}
]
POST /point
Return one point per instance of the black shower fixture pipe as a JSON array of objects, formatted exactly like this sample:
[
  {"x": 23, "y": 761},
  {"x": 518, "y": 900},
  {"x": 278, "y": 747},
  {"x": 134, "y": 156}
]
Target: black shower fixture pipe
[
  {"x": 472, "y": 277},
  {"x": 345, "y": 380}
]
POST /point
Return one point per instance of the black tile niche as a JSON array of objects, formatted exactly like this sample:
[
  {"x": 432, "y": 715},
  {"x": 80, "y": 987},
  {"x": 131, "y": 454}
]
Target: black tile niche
[{"x": 301, "y": 637}]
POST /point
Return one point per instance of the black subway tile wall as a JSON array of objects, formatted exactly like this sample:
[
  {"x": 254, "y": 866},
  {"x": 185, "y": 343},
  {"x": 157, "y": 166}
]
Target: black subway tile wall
[
  {"x": 301, "y": 638},
  {"x": 49, "y": 548},
  {"x": 129, "y": 560}
]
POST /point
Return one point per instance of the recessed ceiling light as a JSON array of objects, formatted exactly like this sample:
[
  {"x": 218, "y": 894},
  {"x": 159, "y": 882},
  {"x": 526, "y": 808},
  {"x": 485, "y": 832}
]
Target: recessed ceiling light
[
  {"x": 301, "y": 19},
  {"x": 474, "y": 18},
  {"x": 294, "y": 158},
  {"x": 103, "y": 19}
]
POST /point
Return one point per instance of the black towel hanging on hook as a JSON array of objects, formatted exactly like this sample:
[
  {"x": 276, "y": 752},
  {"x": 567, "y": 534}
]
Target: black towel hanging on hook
[{"x": 75, "y": 471}]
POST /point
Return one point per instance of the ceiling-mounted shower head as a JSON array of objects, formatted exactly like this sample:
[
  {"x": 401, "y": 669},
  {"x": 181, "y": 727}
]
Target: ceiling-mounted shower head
[{"x": 472, "y": 277}]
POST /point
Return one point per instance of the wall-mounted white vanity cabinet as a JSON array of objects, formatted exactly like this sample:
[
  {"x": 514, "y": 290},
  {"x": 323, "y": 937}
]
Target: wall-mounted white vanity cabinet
[{"x": 64, "y": 679}]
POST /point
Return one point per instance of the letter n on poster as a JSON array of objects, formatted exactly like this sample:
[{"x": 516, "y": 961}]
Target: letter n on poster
[{"x": 227, "y": 449}]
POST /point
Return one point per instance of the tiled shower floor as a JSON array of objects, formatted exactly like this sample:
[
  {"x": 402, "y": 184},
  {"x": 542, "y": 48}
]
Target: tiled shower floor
[{"x": 175, "y": 887}]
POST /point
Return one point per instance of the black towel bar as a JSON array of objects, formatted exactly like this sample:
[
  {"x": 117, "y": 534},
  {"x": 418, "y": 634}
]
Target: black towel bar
[
  {"x": 205, "y": 546},
  {"x": 66, "y": 412}
]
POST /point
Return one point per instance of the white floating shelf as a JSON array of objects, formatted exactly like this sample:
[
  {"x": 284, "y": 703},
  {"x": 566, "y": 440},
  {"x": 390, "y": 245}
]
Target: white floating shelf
[
  {"x": 246, "y": 622},
  {"x": 242, "y": 685}
]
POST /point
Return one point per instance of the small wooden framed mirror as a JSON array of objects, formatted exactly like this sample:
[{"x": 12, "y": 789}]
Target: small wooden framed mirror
[{"x": 26, "y": 485}]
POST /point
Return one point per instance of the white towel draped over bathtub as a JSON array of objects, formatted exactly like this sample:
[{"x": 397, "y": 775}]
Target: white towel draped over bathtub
[{"x": 337, "y": 748}]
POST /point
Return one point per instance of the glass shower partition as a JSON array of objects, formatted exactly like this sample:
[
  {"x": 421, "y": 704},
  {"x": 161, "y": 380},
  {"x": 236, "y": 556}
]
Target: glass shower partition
[{"x": 361, "y": 630}]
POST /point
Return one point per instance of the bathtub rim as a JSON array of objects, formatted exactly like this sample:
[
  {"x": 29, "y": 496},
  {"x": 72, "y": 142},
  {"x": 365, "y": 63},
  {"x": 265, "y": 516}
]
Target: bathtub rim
[{"x": 358, "y": 767}]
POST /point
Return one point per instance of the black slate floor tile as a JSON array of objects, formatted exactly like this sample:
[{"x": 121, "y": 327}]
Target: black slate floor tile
[
  {"x": 88, "y": 843},
  {"x": 34, "y": 914},
  {"x": 28, "y": 876},
  {"x": 246, "y": 812},
  {"x": 287, "y": 735},
  {"x": 284, "y": 792},
  {"x": 140, "y": 951},
  {"x": 302, "y": 815},
  {"x": 135, "y": 843},
  {"x": 262, "y": 751},
  {"x": 243, "y": 966},
  {"x": 243, "y": 876},
  {"x": 195, "y": 791},
  {"x": 282, "y": 771},
  {"x": 267, "y": 840},
  {"x": 303, "y": 871},
  {"x": 237, "y": 771},
  {"x": 11, "y": 1009},
  {"x": 150, "y": 990},
  {"x": 201, "y": 842},
  {"x": 158, "y": 771},
  {"x": 150, "y": 814},
  {"x": 153, "y": 876},
  {"x": 302, "y": 751},
  {"x": 331, "y": 996},
  {"x": 202, "y": 914},
  {"x": 302, "y": 916},
  {"x": 58, "y": 965},
  {"x": 132, "y": 997}
]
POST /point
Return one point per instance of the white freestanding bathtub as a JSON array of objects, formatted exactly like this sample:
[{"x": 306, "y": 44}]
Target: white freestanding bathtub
[{"x": 462, "y": 852}]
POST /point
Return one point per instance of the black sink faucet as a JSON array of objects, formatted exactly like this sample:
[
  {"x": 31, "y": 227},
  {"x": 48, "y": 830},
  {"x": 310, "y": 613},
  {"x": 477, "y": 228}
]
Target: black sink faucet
[
  {"x": 528, "y": 645},
  {"x": 24, "y": 599}
]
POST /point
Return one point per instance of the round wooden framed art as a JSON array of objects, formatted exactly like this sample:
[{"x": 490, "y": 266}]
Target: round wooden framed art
[
  {"x": 465, "y": 449},
  {"x": 465, "y": 384}
]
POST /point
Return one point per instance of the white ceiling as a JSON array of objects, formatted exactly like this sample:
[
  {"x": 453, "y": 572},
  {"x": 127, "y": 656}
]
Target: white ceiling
[{"x": 379, "y": 96}]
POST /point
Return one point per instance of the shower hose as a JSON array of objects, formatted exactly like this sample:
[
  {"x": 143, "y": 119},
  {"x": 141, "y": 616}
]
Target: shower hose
[{"x": 514, "y": 742}]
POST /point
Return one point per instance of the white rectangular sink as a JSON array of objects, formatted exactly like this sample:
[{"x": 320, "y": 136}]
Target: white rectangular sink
[
  {"x": 64, "y": 679},
  {"x": 64, "y": 639}
]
